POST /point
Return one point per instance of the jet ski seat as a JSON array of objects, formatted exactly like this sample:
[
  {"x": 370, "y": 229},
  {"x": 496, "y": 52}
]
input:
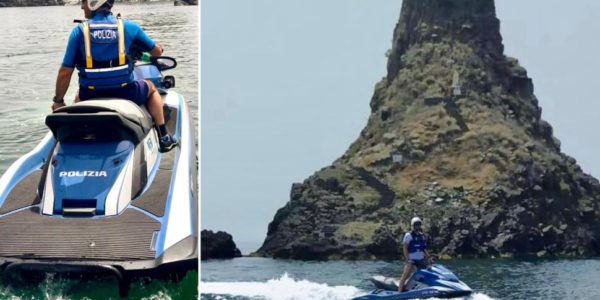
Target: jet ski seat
[{"x": 100, "y": 120}]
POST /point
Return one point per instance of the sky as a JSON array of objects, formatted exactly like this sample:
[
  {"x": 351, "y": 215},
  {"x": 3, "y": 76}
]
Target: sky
[{"x": 286, "y": 87}]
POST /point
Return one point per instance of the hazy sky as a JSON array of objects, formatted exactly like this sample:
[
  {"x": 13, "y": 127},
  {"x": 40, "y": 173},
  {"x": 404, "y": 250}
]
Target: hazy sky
[{"x": 286, "y": 87}]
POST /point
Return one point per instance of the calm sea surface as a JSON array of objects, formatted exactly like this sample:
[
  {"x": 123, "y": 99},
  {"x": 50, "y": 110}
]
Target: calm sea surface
[{"x": 33, "y": 41}]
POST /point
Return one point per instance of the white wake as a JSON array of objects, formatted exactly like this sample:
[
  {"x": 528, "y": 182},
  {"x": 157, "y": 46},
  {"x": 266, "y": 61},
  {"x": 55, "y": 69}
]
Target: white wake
[
  {"x": 284, "y": 288},
  {"x": 288, "y": 288}
]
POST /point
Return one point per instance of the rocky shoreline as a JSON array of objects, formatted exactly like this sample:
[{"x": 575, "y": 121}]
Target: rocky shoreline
[
  {"x": 25, "y": 3},
  {"x": 28, "y": 3},
  {"x": 219, "y": 245},
  {"x": 455, "y": 136}
]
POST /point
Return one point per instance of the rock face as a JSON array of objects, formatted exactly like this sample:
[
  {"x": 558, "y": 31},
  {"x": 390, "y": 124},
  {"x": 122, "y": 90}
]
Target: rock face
[
  {"x": 217, "y": 245},
  {"x": 11, "y": 3},
  {"x": 455, "y": 136}
]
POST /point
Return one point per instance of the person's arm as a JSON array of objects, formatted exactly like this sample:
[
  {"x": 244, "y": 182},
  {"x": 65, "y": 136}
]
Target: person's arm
[
  {"x": 62, "y": 81},
  {"x": 405, "y": 242},
  {"x": 156, "y": 51},
  {"x": 405, "y": 249},
  {"x": 149, "y": 45},
  {"x": 428, "y": 257},
  {"x": 66, "y": 69},
  {"x": 62, "y": 85}
]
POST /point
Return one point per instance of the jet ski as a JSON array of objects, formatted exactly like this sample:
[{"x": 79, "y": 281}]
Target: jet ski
[
  {"x": 96, "y": 195},
  {"x": 435, "y": 281}
]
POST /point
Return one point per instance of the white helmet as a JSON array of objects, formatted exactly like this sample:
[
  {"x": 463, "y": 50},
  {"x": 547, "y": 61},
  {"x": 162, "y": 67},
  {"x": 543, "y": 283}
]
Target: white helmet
[
  {"x": 94, "y": 5},
  {"x": 415, "y": 220}
]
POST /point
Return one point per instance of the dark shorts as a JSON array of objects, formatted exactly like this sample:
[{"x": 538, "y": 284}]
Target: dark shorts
[
  {"x": 137, "y": 91},
  {"x": 419, "y": 263}
]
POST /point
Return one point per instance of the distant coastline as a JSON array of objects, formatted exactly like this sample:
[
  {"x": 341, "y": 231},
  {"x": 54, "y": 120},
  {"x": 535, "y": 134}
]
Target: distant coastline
[
  {"x": 29, "y": 3},
  {"x": 26, "y": 3}
]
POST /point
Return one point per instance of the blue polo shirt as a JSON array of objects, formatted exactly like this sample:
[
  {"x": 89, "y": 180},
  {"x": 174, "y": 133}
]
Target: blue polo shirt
[{"x": 75, "y": 53}]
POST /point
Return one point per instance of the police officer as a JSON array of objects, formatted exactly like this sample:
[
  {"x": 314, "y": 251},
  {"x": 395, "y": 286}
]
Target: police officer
[
  {"x": 99, "y": 48},
  {"x": 414, "y": 246}
]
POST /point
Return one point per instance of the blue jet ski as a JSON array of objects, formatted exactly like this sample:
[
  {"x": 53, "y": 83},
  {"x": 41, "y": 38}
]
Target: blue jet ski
[
  {"x": 96, "y": 196},
  {"x": 435, "y": 281}
]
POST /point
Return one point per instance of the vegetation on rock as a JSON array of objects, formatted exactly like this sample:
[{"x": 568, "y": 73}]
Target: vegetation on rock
[{"x": 472, "y": 157}]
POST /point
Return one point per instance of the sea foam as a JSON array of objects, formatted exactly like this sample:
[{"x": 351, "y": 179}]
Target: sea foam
[
  {"x": 284, "y": 288},
  {"x": 288, "y": 288}
]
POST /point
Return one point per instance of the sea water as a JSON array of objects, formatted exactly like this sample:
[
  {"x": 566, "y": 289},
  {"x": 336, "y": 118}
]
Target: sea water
[{"x": 264, "y": 278}]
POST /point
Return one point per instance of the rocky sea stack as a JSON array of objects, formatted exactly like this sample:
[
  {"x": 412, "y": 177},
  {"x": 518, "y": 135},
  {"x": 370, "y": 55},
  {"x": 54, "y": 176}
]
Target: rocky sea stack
[
  {"x": 455, "y": 136},
  {"x": 217, "y": 245}
]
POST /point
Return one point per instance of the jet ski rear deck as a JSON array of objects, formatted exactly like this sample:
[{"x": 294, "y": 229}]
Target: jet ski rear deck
[{"x": 152, "y": 231}]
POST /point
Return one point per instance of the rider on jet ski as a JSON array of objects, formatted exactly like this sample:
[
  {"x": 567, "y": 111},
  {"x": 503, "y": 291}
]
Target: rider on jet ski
[
  {"x": 414, "y": 246},
  {"x": 99, "y": 48}
]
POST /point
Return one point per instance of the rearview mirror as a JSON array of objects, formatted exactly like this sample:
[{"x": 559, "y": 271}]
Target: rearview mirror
[{"x": 164, "y": 63}]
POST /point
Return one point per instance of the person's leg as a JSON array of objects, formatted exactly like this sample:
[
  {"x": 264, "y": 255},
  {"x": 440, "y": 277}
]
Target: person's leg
[
  {"x": 155, "y": 108},
  {"x": 421, "y": 264},
  {"x": 407, "y": 271},
  {"x": 155, "y": 104}
]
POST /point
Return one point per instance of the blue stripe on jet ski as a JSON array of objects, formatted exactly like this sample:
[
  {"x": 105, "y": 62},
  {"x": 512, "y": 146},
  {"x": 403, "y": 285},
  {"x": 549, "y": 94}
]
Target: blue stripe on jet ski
[{"x": 389, "y": 295}]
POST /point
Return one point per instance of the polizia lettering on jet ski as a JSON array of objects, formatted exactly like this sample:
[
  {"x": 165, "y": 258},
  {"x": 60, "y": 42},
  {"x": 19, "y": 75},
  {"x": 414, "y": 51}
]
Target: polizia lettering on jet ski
[{"x": 82, "y": 174}]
